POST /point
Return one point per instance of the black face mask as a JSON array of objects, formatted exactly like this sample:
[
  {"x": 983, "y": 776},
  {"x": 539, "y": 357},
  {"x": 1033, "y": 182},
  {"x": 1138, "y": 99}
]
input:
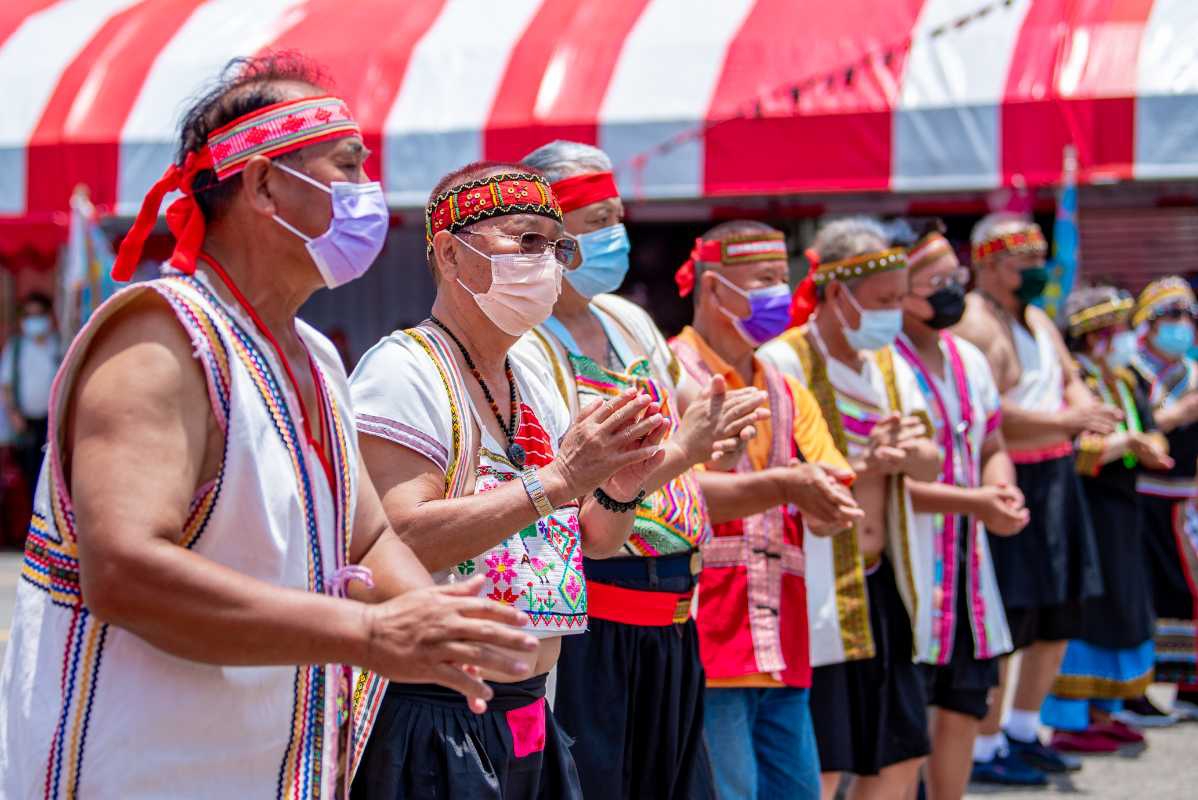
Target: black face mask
[{"x": 948, "y": 306}]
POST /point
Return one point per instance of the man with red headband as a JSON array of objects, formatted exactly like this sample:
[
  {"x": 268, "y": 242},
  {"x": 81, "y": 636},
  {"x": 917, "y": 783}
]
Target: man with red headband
[
  {"x": 181, "y": 624},
  {"x": 751, "y": 609},
  {"x": 868, "y": 699},
  {"x": 483, "y": 472},
  {"x": 631, "y": 691},
  {"x": 1046, "y": 571}
]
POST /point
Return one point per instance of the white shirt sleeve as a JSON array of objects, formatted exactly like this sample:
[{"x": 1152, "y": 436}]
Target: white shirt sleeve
[{"x": 398, "y": 395}]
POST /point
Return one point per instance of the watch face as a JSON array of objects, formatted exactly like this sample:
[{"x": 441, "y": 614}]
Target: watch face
[{"x": 516, "y": 455}]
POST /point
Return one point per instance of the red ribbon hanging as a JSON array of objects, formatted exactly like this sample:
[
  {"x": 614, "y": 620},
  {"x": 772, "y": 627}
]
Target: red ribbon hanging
[
  {"x": 708, "y": 252},
  {"x": 183, "y": 217}
]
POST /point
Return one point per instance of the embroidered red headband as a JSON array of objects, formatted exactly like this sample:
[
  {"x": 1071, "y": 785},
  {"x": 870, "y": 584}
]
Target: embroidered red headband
[
  {"x": 730, "y": 252},
  {"x": 271, "y": 131},
  {"x": 805, "y": 299},
  {"x": 1029, "y": 242},
  {"x": 582, "y": 190},
  {"x": 495, "y": 196},
  {"x": 928, "y": 251}
]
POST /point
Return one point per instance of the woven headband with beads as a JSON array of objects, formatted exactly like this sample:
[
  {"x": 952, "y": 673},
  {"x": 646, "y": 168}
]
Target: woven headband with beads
[
  {"x": 495, "y": 196},
  {"x": 860, "y": 266},
  {"x": 928, "y": 251},
  {"x": 1161, "y": 295},
  {"x": 730, "y": 251},
  {"x": 1110, "y": 312},
  {"x": 1026, "y": 242}
]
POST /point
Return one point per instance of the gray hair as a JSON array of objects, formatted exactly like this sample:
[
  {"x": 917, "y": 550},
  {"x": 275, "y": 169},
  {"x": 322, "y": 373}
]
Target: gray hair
[
  {"x": 1087, "y": 296},
  {"x": 996, "y": 224},
  {"x": 561, "y": 159},
  {"x": 848, "y": 237}
]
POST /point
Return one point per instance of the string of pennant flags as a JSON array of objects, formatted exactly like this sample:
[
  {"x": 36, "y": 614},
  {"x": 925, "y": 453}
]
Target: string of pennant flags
[{"x": 762, "y": 104}]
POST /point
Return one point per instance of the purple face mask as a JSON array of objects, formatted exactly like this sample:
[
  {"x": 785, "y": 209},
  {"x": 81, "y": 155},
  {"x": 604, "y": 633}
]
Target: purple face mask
[{"x": 769, "y": 311}]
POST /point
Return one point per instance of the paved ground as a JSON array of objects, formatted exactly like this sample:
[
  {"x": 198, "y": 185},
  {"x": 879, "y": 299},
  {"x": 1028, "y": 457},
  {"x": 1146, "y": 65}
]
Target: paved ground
[{"x": 1166, "y": 769}]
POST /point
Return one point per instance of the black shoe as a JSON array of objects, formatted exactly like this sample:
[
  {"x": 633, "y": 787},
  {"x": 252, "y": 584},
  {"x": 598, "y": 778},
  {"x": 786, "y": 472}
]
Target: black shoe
[
  {"x": 1036, "y": 754},
  {"x": 1007, "y": 770}
]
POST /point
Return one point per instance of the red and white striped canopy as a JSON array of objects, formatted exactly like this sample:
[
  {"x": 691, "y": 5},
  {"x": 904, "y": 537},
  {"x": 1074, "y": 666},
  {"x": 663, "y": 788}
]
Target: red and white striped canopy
[{"x": 852, "y": 95}]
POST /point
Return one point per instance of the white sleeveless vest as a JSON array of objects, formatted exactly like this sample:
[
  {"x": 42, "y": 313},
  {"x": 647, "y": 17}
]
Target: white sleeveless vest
[{"x": 89, "y": 709}]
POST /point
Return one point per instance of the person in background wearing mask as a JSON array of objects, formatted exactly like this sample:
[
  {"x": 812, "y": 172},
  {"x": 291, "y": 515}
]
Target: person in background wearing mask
[
  {"x": 752, "y": 600},
  {"x": 1052, "y": 566},
  {"x": 631, "y": 691},
  {"x": 960, "y": 624},
  {"x": 868, "y": 697},
  {"x": 27, "y": 367},
  {"x": 482, "y": 472},
  {"x": 195, "y": 529},
  {"x": 1164, "y": 316},
  {"x": 1112, "y": 659}
]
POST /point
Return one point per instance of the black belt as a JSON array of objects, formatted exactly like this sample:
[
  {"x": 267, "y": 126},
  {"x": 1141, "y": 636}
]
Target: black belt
[{"x": 682, "y": 565}]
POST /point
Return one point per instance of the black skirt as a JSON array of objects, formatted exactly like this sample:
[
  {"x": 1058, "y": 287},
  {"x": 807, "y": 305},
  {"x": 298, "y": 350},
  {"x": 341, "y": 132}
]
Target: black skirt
[
  {"x": 1121, "y": 617},
  {"x": 872, "y": 713},
  {"x": 427, "y": 743},
  {"x": 1168, "y": 568},
  {"x": 1054, "y": 560}
]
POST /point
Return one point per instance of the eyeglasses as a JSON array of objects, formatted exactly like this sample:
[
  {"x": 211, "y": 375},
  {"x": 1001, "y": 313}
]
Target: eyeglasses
[
  {"x": 1176, "y": 313},
  {"x": 958, "y": 277},
  {"x": 535, "y": 244}
]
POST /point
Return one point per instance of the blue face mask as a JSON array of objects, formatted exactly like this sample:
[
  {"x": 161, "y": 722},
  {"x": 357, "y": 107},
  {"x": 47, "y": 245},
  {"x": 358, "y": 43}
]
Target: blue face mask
[
  {"x": 604, "y": 261},
  {"x": 879, "y": 327},
  {"x": 1174, "y": 338}
]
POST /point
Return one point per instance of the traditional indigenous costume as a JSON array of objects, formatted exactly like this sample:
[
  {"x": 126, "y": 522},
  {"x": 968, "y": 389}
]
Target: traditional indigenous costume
[
  {"x": 960, "y": 624},
  {"x": 868, "y": 696},
  {"x": 751, "y": 606},
  {"x": 1046, "y": 571},
  {"x": 1112, "y": 659},
  {"x": 1171, "y": 527},
  {"x": 631, "y": 691},
  {"x": 90, "y": 709},
  {"x": 408, "y": 390}
]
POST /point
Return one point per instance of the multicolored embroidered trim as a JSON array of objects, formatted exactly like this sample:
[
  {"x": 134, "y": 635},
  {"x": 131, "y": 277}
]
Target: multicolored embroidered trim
[
  {"x": 860, "y": 266},
  {"x": 1115, "y": 311},
  {"x": 494, "y": 196},
  {"x": 582, "y": 190},
  {"x": 1027, "y": 242},
  {"x": 928, "y": 250},
  {"x": 1162, "y": 295},
  {"x": 277, "y": 129}
]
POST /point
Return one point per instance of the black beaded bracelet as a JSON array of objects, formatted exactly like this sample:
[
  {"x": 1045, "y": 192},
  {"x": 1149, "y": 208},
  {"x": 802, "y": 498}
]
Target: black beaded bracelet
[{"x": 612, "y": 504}]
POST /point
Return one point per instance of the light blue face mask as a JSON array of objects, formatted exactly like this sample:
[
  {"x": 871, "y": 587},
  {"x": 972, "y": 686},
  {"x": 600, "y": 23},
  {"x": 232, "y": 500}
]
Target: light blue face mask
[
  {"x": 1120, "y": 349},
  {"x": 604, "y": 261},
  {"x": 1174, "y": 338},
  {"x": 879, "y": 326}
]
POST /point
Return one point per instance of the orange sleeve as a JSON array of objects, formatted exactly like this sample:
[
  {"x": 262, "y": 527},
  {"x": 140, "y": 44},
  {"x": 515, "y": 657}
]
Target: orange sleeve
[{"x": 811, "y": 429}]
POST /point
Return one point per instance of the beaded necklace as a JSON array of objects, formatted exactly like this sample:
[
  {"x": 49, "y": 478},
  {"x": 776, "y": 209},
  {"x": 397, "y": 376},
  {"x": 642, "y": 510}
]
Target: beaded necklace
[{"x": 515, "y": 453}]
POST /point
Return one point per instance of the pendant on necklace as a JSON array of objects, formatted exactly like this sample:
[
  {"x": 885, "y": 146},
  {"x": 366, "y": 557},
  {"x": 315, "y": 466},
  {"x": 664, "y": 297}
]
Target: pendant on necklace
[{"x": 516, "y": 455}]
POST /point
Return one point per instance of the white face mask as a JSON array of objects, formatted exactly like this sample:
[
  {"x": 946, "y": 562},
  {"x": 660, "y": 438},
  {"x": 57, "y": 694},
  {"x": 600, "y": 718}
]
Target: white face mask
[
  {"x": 1119, "y": 350},
  {"x": 524, "y": 289},
  {"x": 356, "y": 232}
]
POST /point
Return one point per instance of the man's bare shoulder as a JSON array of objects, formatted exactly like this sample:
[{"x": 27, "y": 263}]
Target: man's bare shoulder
[
  {"x": 979, "y": 325},
  {"x": 1037, "y": 318},
  {"x": 142, "y": 350}
]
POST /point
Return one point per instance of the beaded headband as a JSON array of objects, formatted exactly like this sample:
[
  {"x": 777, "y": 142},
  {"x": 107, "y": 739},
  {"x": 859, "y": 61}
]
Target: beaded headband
[
  {"x": 582, "y": 190},
  {"x": 805, "y": 299},
  {"x": 1160, "y": 295},
  {"x": 1101, "y": 315},
  {"x": 1026, "y": 242},
  {"x": 928, "y": 251},
  {"x": 860, "y": 266},
  {"x": 271, "y": 132},
  {"x": 495, "y": 196},
  {"x": 731, "y": 251}
]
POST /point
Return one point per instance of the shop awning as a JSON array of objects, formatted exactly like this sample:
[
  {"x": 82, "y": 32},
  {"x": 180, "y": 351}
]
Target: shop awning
[{"x": 694, "y": 98}]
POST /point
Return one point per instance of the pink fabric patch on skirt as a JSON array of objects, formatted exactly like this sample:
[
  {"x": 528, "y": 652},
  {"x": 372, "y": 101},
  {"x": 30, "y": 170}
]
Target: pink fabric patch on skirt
[{"x": 527, "y": 725}]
